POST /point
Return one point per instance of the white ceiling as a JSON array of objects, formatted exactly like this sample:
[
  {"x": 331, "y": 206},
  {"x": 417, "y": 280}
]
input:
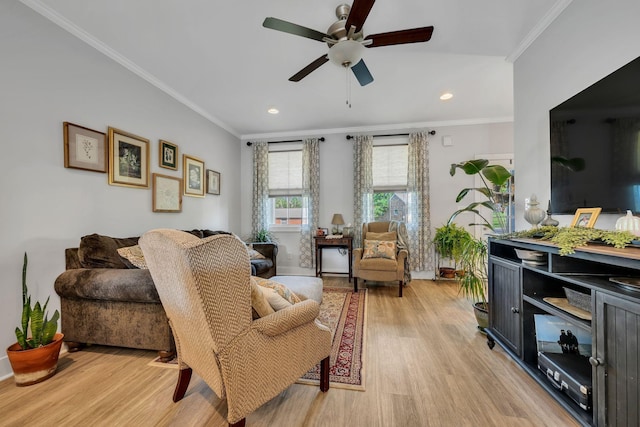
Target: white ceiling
[{"x": 218, "y": 59}]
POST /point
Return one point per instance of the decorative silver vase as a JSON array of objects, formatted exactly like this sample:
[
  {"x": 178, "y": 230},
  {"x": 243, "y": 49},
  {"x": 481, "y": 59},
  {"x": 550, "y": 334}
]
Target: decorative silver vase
[
  {"x": 548, "y": 221},
  {"x": 533, "y": 214}
]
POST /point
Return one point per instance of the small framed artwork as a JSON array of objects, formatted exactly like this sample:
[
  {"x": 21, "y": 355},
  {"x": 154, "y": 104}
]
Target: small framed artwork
[
  {"x": 213, "y": 182},
  {"x": 84, "y": 148},
  {"x": 585, "y": 217},
  {"x": 193, "y": 176},
  {"x": 128, "y": 159},
  {"x": 167, "y": 193},
  {"x": 168, "y": 155}
]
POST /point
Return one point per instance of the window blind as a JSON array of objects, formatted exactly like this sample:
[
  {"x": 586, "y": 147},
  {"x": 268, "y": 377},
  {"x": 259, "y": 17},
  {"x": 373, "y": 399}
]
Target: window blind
[
  {"x": 390, "y": 167},
  {"x": 285, "y": 173}
]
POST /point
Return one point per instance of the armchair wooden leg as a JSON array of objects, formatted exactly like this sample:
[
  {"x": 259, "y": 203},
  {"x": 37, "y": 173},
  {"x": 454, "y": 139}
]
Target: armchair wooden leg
[
  {"x": 355, "y": 284},
  {"x": 400, "y": 291},
  {"x": 239, "y": 423},
  {"x": 324, "y": 374},
  {"x": 184, "y": 376}
]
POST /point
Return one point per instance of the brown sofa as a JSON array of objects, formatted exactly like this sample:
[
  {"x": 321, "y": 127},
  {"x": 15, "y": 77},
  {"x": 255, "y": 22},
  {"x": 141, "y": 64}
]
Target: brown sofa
[{"x": 106, "y": 300}]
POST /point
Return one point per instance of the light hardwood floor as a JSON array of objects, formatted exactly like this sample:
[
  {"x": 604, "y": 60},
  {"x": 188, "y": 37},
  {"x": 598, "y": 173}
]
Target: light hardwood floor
[{"x": 425, "y": 365}]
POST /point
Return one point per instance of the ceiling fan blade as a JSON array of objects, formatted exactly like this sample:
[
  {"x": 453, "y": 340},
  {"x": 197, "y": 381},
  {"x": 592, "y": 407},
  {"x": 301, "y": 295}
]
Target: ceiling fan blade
[
  {"x": 415, "y": 35},
  {"x": 288, "y": 27},
  {"x": 362, "y": 73},
  {"x": 358, "y": 14},
  {"x": 309, "y": 68}
]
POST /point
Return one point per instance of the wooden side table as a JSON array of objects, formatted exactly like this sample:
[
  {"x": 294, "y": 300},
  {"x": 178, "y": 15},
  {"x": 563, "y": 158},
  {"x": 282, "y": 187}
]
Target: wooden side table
[{"x": 322, "y": 242}]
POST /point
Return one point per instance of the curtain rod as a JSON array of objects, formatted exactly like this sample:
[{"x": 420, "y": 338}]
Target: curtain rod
[
  {"x": 431, "y": 132},
  {"x": 249, "y": 143}
]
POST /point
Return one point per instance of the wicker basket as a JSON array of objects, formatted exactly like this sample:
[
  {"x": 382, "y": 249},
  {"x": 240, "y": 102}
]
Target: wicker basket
[{"x": 578, "y": 299}]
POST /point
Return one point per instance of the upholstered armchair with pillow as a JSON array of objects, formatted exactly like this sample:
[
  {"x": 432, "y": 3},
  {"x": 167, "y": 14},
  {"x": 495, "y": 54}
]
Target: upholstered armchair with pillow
[
  {"x": 206, "y": 291},
  {"x": 379, "y": 259}
]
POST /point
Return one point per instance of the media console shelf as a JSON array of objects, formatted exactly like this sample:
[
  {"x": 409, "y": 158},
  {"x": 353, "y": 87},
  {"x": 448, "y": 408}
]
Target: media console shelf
[{"x": 518, "y": 292}]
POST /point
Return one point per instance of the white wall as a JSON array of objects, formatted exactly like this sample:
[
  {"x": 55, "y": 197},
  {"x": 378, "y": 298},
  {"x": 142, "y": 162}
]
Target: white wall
[
  {"x": 48, "y": 77},
  {"x": 588, "y": 41},
  {"x": 336, "y": 182}
]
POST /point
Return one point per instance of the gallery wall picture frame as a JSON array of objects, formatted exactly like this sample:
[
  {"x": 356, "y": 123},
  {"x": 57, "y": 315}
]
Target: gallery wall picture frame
[
  {"x": 128, "y": 159},
  {"x": 84, "y": 148},
  {"x": 213, "y": 182},
  {"x": 167, "y": 193},
  {"x": 585, "y": 217},
  {"x": 193, "y": 176},
  {"x": 168, "y": 155}
]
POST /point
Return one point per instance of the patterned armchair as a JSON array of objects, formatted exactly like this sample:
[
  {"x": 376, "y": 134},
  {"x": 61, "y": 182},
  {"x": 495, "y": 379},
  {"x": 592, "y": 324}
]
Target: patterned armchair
[
  {"x": 379, "y": 268},
  {"x": 205, "y": 289}
]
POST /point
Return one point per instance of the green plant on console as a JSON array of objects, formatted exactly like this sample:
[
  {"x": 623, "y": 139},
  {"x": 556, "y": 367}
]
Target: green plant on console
[
  {"x": 35, "y": 318},
  {"x": 569, "y": 238}
]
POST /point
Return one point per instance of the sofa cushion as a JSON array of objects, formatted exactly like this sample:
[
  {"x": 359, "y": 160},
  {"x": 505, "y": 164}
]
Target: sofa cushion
[
  {"x": 97, "y": 251},
  {"x": 280, "y": 289},
  {"x": 379, "y": 264},
  {"x": 107, "y": 284},
  {"x": 259, "y": 303},
  {"x": 259, "y": 266},
  {"x": 388, "y": 235}
]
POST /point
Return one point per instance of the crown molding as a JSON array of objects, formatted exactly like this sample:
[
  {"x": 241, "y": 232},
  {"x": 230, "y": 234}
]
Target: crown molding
[
  {"x": 70, "y": 27},
  {"x": 538, "y": 29}
]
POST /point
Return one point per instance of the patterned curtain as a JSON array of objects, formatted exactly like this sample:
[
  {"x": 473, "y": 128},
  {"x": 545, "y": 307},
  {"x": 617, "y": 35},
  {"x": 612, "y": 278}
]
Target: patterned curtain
[
  {"x": 260, "y": 213},
  {"x": 362, "y": 185},
  {"x": 418, "y": 210},
  {"x": 310, "y": 199}
]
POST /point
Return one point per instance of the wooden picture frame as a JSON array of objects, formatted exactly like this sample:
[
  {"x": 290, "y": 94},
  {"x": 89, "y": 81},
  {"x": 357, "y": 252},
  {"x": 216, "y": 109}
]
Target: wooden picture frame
[
  {"x": 193, "y": 176},
  {"x": 167, "y": 155},
  {"x": 167, "y": 193},
  {"x": 213, "y": 182},
  {"x": 585, "y": 217},
  {"x": 128, "y": 159},
  {"x": 84, "y": 148}
]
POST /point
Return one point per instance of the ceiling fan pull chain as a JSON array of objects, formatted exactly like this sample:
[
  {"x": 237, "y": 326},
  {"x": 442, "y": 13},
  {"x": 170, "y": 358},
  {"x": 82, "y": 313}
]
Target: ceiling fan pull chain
[{"x": 348, "y": 81}]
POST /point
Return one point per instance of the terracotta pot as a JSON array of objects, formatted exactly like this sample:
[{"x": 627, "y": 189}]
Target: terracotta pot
[
  {"x": 34, "y": 365},
  {"x": 447, "y": 272}
]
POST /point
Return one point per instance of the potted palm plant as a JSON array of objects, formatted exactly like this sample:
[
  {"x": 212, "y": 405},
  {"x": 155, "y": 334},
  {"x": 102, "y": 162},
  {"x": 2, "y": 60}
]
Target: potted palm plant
[
  {"x": 34, "y": 357},
  {"x": 474, "y": 254}
]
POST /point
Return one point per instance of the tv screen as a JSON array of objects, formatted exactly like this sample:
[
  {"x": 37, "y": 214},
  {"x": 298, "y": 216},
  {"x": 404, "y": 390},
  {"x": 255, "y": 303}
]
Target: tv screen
[{"x": 595, "y": 146}]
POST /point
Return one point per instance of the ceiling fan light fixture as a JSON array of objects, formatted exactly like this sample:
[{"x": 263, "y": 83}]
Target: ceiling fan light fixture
[
  {"x": 446, "y": 96},
  {"x": 346, "y": 53}
]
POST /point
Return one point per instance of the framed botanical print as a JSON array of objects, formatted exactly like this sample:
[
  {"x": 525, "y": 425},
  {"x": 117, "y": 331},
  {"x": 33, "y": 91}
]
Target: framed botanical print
[
  {"x": 213, "y": 182},
  {"x": 193, "y": 176},
  {"x": 84, "y": 148},
  {"x": 585, "y": 217},
  {"x": 168, "y": 154},
  {"x": 167, "y": 193},
  {"x": 128, "y": 159}
]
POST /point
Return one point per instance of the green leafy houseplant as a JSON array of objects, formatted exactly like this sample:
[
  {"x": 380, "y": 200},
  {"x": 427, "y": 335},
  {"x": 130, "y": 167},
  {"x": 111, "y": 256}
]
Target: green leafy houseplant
[
  {"x": 263, "y": 235},
  {"x": 449, "y": 241},
  {"x": 35, "y": 318}
]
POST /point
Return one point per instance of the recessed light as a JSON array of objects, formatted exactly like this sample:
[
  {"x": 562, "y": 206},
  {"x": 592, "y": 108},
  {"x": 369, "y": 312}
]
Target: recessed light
[
  {"x": 445, "y": 96},
  {"x": 273, "y": 110}
]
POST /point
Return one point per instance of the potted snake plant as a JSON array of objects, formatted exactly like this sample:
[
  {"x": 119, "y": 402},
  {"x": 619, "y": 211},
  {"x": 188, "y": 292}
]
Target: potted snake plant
[{"x": 34, "y": 357}]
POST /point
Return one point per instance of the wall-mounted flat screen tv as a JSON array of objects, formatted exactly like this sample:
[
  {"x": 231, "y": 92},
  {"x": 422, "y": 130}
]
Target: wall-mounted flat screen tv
[{"x": 595, "y": 146}]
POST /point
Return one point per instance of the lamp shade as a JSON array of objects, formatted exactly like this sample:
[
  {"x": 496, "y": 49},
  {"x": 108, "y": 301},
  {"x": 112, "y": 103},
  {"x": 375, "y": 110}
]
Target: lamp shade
[
  {"x": 346, "y": 53},
  {"x": 337, "y": 219}
]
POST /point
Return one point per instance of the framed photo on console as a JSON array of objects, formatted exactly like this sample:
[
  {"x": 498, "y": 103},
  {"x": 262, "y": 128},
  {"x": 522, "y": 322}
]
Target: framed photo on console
[
  {"x": 128, "y": 159},
  {"x": 585, "y": 217},
  {"x": 84, "y": 148}
]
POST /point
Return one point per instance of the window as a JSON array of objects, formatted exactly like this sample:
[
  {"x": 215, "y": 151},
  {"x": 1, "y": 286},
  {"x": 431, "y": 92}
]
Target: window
[
  {"x": 390, "y": 167},
  {"x": 285, "y": 188}
]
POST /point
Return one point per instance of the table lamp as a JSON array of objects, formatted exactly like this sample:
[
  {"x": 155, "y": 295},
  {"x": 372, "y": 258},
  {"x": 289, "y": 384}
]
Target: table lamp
[{"x": 337, "y": 221}]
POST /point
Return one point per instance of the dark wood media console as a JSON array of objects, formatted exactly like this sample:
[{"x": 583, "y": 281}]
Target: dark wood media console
[{"x": 517, "y": 293}]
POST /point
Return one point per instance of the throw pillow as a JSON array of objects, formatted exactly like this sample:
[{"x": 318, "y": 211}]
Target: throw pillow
[
  {"x": 253, "y": 254},
  {"x": 259, "y": 302},
  {"x": 379, "y": 249},
  {"x": 275, "y": 300},
  {"x": 280, "y": 289},
  {"x": 98, "y": 251},
  {"x": 388, "y": 235},
  {"x": 133, "y": 255}
]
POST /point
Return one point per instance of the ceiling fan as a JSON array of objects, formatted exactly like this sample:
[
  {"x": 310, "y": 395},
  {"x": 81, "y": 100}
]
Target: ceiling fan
[{"x": 346, "y": 41}]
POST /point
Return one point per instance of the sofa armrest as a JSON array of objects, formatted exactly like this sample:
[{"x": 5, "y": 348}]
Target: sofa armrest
[
  {"x": 288, "y": 318},
  {"x": 270, "y": 251},
  {"x": 107, "y": 284}
]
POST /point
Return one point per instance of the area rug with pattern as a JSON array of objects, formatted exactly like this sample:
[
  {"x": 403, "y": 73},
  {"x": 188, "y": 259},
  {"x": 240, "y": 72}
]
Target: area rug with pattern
[{"x": 345, "y": 313}]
